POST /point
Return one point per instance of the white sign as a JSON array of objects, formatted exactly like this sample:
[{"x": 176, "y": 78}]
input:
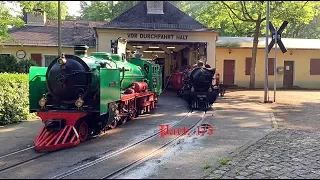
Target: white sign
[{"x": 287, "y": 68}]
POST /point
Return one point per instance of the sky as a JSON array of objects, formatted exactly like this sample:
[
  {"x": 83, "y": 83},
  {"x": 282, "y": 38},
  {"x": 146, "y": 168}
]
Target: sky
[{"x": 73, "y": 7}]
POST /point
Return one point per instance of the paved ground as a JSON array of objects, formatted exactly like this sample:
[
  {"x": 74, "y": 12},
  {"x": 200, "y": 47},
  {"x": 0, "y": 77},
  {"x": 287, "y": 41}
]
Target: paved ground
[
  {"x": 290, "y": 152},
  {"x": 235, "y": 123},
  {"x": 21, "y": 135}
]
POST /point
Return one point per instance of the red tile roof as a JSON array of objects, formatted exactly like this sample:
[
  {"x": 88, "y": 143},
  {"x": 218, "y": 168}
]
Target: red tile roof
[{"x": 72, "y": 32}]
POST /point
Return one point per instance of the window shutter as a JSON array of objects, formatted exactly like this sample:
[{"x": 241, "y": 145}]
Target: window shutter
[
  {"x": 314, "y": 66},
  {"x": 271, "y": 66},
  {"x": 248, "y": 66},
  {"x": 37, "y": 58}
]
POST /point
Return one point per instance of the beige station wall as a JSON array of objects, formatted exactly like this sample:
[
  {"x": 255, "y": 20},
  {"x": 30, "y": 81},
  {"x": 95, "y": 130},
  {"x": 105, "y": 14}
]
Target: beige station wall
[
  {"x": 106, "y": 35},
  {"x": 301, "y": 58},
  {"x": 38, "y": 50}
]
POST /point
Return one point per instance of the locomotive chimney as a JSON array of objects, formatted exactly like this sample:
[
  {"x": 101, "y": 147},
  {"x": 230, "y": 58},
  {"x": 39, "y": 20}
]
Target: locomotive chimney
[{"x": 81, "y": 50}]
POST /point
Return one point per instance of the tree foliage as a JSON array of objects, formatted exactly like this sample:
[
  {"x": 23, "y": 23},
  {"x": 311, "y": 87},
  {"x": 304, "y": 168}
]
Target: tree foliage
[
  {"x": 104, "y": 10},
  {"x": 247, "y": 18},
  {"x": 50, "y": 7},
  {"x": 107, "y": 10},
  {"x": 303, "y": 16},
  {"x": 8, "y": 21}
]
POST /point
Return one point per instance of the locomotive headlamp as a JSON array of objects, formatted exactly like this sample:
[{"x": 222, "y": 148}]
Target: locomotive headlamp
[
  {"x": 62, "y": 60},
  {"x": 79, "y": 102},
  {"x": 43, "y": 101}
]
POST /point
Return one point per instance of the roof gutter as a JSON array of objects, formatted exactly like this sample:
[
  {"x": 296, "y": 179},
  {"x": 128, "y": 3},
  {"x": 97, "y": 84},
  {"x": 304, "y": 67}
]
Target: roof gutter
[
  {"x": 225, "y": 47},
  {"x": 37, "y": 45},
  {"x": 146, "y": 29}
]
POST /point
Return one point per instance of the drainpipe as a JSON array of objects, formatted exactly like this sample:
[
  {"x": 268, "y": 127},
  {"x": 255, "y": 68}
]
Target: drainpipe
[{"x": 59, "y": 28}]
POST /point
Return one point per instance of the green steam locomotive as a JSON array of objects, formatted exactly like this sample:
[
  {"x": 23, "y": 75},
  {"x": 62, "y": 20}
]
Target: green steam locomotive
[{"x": 78, "y": 96}]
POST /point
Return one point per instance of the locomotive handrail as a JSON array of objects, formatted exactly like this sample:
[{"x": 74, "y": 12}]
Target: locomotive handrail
[
  {"x": 37, "y": 76},
  {"x": 77, "y": 72}
]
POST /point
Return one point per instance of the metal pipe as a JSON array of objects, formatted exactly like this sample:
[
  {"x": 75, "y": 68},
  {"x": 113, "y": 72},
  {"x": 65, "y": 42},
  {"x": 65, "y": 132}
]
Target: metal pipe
[
  {"x": 59, "y": 29},
  {"x": 266, "y": 55},
  {"x": 275, "y": 67}
]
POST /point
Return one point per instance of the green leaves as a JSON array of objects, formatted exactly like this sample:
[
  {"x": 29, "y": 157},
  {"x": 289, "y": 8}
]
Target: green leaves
[
  {"x": 237, "y": 18},
  {"x": 104, "y": 10},
  {"x": 10, "y": 64},
  {"x": 50, "y": 7},
  {"x": 14, "y": 98},
  {"x": 8, "y": 21}
]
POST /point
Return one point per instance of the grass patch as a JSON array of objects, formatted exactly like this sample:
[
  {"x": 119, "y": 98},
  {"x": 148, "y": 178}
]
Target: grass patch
[
  {"x": 207, "y": 166},
  {"x": 224, "y": 160}
]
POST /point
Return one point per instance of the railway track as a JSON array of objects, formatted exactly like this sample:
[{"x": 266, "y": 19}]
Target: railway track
[
  {"x": 18, "y": 158},
  {"x": 127, "y": 167},
  {"x": 115, "y": 153},
  {"x": 24, "y": 156},
  {"x": 16, "y": 152},
  {"x": 121, "y": 151}
]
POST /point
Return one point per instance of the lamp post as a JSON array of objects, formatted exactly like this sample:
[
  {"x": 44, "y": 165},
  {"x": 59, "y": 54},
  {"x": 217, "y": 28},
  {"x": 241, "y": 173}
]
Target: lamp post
[{"x": 266, "y": 55}]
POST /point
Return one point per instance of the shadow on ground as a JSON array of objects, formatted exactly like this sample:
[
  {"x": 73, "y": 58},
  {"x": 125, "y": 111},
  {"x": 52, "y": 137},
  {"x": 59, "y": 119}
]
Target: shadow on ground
[{"x": 294, "y": 109}]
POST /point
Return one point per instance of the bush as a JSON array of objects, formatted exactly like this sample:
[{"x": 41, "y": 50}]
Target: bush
[
  {"x": 23, "y": 66},
  {"x": 10, "y": 64},
  {"x": 14, "y": 98}
]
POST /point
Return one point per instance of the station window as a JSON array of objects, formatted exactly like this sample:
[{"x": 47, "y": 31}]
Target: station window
[
  {"x": 314, "y": 66},
  {"x": 48, "y": 59},
  {"x": 4, "y": 54}
]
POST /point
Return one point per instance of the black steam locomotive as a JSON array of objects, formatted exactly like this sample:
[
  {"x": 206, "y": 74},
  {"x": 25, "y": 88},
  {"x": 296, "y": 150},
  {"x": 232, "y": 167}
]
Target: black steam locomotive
[{"x": 198, "y": 90}]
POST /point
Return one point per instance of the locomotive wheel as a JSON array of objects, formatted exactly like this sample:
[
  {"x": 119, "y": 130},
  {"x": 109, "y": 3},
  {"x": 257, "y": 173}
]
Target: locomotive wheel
[
  {"x": 83, "y": 130},
  {"x": 222, "y": 93},
  {"x": 132, "y": 115},
  {"x": 124, "y": 120},
  {"x": 114, "y": 124}
]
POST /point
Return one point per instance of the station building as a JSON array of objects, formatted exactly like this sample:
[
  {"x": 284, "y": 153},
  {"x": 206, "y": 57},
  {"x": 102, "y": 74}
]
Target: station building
[{"x": 159, "y": 28}]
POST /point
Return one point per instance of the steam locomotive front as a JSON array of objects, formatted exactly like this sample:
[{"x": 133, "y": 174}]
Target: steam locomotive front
[
  {"x": 201, "y": 93},
  {"x": 201, "y": 79},
  {"x": 70, "y": 79}
]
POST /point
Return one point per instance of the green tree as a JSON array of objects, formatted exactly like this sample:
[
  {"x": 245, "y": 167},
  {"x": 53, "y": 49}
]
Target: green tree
[
  {"x": 305, "y": 24},
  {"x": 72, "y": 17},
  {"x": 104, "y": 10},
  {"x": 308, "y": 31},
  {"x": 247, "y": 18},
  {"x": 108, "y": 10},
  {"x": 8, "y": 21},
  {"x": 254, "y": 12},
  {"x": 50, "y": 7}
]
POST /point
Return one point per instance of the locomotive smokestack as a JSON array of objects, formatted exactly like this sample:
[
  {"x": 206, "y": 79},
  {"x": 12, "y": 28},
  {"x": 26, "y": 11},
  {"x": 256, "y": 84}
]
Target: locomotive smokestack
[{"x": 81, "y": 50}]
